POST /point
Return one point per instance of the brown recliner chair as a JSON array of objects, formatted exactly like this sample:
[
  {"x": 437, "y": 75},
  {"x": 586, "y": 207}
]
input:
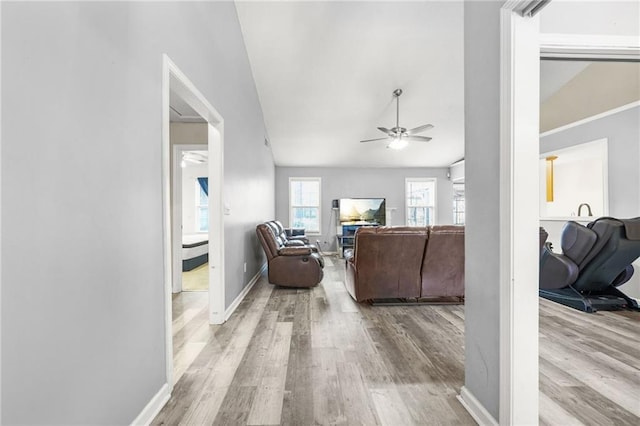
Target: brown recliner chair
[
  {"x": 289, "y": 266},
  {"x": 287, "y": 240}
]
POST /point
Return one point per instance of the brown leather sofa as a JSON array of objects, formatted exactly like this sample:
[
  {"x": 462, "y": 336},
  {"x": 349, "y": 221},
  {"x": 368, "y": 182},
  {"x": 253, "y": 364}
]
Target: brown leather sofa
[
  {"x": 406, "y": 262},
  {"x": 289, "y": 265}
]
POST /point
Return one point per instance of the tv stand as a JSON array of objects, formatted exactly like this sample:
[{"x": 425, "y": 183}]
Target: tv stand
[{"x": 346, "y": 240}]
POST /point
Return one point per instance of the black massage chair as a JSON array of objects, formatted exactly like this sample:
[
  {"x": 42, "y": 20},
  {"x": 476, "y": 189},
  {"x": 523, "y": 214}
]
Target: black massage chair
[{"x": 596, "y": 259}]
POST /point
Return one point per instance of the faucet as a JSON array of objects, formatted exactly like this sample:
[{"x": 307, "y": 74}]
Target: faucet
[{"x": 588, "y": 209}]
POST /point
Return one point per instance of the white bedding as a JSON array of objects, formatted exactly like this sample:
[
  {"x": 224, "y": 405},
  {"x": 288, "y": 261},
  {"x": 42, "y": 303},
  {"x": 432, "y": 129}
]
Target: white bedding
[{"x": 191, "y": 252}]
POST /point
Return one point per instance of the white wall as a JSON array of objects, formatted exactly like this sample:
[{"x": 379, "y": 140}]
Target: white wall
[
  {"x": 362, "y": 183},
  {"x": 618, "y": 18},
  {"x": 83, "y": 338},
  {"x": 622, "y": 131},
  {"x": 579, "y": 176}
]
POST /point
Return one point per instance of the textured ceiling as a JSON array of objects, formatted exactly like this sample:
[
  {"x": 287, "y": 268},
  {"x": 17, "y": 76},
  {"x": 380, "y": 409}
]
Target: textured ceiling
[{"x": 325, "y": 73}]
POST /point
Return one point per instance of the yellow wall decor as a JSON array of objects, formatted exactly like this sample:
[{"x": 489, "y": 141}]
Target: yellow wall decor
[{"x": 550, "y": 177}]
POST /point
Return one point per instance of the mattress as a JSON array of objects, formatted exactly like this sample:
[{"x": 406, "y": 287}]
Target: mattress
[
  {"x": 195, "y": 250},
  {"x": 194, "y": 245}
]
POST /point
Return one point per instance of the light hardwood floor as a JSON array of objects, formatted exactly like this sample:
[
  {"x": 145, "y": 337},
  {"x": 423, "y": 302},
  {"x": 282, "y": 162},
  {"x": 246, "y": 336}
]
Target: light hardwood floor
[{"x": 313, "y": 356}]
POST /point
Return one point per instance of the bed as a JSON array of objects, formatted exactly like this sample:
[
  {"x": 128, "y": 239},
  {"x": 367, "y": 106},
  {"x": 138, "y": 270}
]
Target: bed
[{"x": 195, "y": 250}]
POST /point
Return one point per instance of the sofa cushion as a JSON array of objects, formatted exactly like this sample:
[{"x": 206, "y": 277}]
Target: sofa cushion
[
  {"x": 443, "y": 264},
  {"x": 388, "y": 262}
]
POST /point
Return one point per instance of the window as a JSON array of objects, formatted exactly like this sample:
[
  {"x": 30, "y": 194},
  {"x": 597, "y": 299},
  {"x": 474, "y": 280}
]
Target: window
[
  {"x": 458, "y": 203},
  {"x": 304, "y": 204},
  {"x": 421, "y": 201},
  {"x": 202, "y": 208}
]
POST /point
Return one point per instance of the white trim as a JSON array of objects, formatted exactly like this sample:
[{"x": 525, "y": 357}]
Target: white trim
[
  {"x": 319, "y": 206},
  {"x": 582, "y": 46},
  {"x": 475, "y": 408},
  {"x": 153, "y": 407},
  {"x": 176, "y": 211},
  {"x": 589, "y": 119},
  {"x": 166, "y": 219},
  {"x": 519, "y": 151},
  {"x": 234, "y": 305},
  {"x": 216, "y": 222},
  {"x": 174, "y": 80},
  {"x": 0, "y": 220}
]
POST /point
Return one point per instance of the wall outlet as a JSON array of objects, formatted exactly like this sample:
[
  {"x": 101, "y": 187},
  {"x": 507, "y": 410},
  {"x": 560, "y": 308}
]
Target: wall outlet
[{"x": 245, "y": 267}]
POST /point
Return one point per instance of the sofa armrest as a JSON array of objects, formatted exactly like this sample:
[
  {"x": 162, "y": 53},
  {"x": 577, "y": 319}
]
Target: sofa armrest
[
  {"x": 348, "y": 255},
  {"x": 294, "y": 243},
  {"x": 294, "y": 251}
]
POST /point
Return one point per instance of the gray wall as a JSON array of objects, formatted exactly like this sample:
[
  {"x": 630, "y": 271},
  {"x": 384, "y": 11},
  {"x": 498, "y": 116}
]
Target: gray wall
[
  {"x": 339, "y": 183},
  {"x": 482, "y": 200},
  {"x": 83, "y": 339},
  {"x": 623, "y": 132}
]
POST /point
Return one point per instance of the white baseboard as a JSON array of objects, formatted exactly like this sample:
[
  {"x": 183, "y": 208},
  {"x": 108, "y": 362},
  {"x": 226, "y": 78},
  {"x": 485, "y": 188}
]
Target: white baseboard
[
  {"x": 234, "y": 305},
  {"x": 154, "y": 406},
  {"x": 475, "y": 408}
]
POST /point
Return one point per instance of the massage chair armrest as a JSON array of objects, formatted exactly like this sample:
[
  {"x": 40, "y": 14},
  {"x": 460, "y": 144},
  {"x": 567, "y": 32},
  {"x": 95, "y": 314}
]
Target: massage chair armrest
[
  {"x": 294, "y": 243},
  {"x": 556, "y": 270},
  {"x": 295, "y": 251}
]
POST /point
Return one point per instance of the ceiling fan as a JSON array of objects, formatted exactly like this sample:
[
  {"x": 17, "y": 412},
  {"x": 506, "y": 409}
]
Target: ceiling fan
[{"x": 399, "y": 136}]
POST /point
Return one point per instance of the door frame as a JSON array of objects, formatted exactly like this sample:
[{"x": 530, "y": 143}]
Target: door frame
[
  {"x": 519, "y": 151},
  {"x": 173, "y": 79}
]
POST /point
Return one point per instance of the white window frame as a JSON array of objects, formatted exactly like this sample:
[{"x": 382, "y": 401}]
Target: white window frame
[
  {"x": 455, "y": 222},
  {"x": 319, "y": 206},
  {"x": 434, "y": 206}
]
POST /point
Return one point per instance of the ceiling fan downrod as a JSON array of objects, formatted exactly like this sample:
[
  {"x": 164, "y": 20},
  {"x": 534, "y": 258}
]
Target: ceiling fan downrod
[{"x": 397, "y": 94}]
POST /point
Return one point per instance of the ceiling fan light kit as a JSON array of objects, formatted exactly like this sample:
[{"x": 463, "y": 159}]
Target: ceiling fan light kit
[
  {"x": 398, "y": 143},
  {"x": 400, "y": 136}
]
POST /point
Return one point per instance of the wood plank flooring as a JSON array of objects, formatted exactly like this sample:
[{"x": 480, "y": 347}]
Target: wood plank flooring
[{"x": 313, "y": 356}]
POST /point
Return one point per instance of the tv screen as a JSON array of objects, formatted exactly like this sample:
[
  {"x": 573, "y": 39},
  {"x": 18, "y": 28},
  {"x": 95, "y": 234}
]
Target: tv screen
[{"x": 363, "y": 211}]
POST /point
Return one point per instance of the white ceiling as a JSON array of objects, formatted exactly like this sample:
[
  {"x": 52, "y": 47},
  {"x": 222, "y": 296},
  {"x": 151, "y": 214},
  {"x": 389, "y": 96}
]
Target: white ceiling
[
  {"x": 325, "y": 73},
  {"x": 181, "y": 112},
  {"x": 555, "y": 74}
]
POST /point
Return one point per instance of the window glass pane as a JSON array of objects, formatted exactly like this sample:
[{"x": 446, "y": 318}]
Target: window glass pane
[
  {"x": 305, "y": 217},
  {"x": 203, "y": 219},
  {"x": 419, "y": 193},
  {"x": 202, "y": 209},
  {"x": 458, "y": 204},
  {"x": 305, "y": 193},
  {"x": 204, "y": 199},
  {"x": 304, "y": 198},
  {"x": 419, "y": 216}
]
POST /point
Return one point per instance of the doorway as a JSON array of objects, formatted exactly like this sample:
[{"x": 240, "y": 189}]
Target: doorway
[
  {"x": 178, "y": 87},
  {"x": 519, "y": 157},
  {"x": 189, "y": 205}
]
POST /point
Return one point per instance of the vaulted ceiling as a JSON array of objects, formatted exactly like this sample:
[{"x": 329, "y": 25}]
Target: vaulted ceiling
[{"x": 325, "y": 73}]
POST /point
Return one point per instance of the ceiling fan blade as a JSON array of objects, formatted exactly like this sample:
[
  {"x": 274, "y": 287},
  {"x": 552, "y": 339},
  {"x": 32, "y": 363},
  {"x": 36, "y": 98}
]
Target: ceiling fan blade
[
  {"x": 418, "y": 138},
  {"x": 373, "y": 140},
  {"x": 387, "y": 131},
  {"x": 419, "y": 129}
]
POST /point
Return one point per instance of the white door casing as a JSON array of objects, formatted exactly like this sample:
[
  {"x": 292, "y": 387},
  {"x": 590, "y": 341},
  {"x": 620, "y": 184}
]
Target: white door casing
[{"x": 175, "y": 80}]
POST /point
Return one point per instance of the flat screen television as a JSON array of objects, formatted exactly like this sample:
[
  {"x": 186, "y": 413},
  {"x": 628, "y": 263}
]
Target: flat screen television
[{"x": 363, "y": 211}]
